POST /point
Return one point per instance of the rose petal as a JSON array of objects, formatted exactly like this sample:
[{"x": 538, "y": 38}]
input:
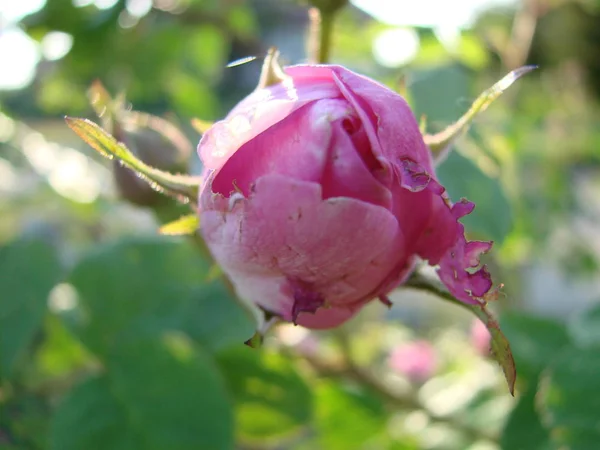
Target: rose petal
[
  {"x": 310, "y": 145},
  {"x": 396, "y": 128},
  {"x": 285, "y": 232},
  {"x": 257, "y": 112}
]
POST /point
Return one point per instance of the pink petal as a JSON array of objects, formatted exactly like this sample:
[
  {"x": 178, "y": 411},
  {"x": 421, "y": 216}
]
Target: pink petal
[
  {"x": 312, "y": 144},
  {"x": 439, "y": 237},
  {"x": 257, "y": 112},
  {"x": 466, "y": 285},
  {"x": 340, "y": 249},
  {"x": 325, "y": 318},
  {"x": 396, "y": 128}
]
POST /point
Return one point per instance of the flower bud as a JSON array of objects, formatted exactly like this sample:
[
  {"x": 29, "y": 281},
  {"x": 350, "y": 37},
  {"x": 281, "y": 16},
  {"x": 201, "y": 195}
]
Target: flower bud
[{"x": 320, "y": 195}]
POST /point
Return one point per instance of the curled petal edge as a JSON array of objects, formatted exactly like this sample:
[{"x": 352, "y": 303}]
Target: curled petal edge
[{"x": 459, "y": 268}]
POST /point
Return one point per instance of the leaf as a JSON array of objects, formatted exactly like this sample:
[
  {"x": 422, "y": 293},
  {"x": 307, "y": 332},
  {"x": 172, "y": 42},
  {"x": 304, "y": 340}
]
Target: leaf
[
  {"x": 523, "y": 428},
  {"x": 535, "y": 341},
  {"x": 347, "y": 417},
  {"x": 60, "y": 353},
  {"x": 440, "y": 143},
  {"x": 492, "y": 217},
  {"x": 568, "y": 399},
  {"x": 184, "y": 225},
  {"x": 28, "y": 271},
  {"x": 184, "y": 187},
  {"x": 500, "y": 347},
  {"x": 156, "y": 394},
  {"x": 272, "y": 400},
  {"x": 584, "y": 327},
  {"x": 146, "y": 286}
]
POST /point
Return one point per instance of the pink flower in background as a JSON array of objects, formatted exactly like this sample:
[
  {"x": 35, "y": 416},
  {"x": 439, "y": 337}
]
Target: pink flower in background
[
  {"x": 415, "y": 360},
  {"x": 480, "y": 337},
  {"x": 320, "y": 195}
]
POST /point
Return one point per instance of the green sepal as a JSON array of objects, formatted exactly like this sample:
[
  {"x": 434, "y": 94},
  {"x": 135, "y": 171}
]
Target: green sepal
[{"x": 183, "y": 187}]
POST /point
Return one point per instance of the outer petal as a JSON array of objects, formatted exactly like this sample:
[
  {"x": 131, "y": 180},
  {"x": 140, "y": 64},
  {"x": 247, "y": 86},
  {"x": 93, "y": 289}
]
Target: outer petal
[
  {"x": 442, "y": 238},
  {"x": 394, "y": 125},
  {"x": 457, "y": 263},
  {"x": 285, "y": 239},
  {"x": 261, "y": 110},
  {"x": 311, "y": 144}
]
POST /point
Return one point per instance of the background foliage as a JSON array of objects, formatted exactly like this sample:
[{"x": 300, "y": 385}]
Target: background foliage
[{"x": 114, "y": 338}]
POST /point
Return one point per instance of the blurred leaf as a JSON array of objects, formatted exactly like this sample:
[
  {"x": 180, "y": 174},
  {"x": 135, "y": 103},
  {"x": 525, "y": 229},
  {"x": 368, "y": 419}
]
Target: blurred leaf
[
  {"x": 523, "y": 428},
  {"x": 25, "y": 417},
  {"x": 201, "y": 126},
  {"x": 347, "y": 418},
  {"x": 182, "y": 186},
  {"x": 156, "y": 395},
  {"x": 240, "y": 18},
  {"x": 438, "y": 92},
  {"x": 492, "y": 217},
  {"x": 151, "y": 285},
  {"x": 272, "y": 400},
  {"x": 441, "y": 142},
  {"x": 535, "y": 341},
  {"x": 28, "y": 271},
  {"x": 193, "y": 96},
  {"x": 568, "y": 399},
  {"x": 584, "y": 327},
  {"x": 431, "y": 51},
  {"x": 60, "y": 353},
  {"x": 207, "y": 50},
  {"x": 184, "y": 225},
  {"x": 472, "y": 51}
]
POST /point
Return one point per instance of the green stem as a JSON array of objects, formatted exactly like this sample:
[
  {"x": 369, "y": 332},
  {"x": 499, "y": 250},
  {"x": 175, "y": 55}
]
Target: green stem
[{"x": 325, "y": 33}]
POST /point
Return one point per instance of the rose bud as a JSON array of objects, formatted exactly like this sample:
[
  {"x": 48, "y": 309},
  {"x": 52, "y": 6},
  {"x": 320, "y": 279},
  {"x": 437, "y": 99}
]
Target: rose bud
[
  {"x": 415, "y": 360},
  {"x": 320, "y": 195}
]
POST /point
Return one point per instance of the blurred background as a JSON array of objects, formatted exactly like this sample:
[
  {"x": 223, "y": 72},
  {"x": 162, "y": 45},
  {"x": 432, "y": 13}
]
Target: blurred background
[{"x": 81, "y": 268}]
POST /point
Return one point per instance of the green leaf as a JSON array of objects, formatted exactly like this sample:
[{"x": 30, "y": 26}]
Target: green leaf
[
  {"x": 145, "y": 286},
  {"x": 535, "y": 342},
  {"x": 584, "y": 327},
  {"x": 60, "y": 353},
  {"x": 347, "y": 417},
  {"x": 492, "y": 217},
  {"x": 156, "y": 394},
  {"x": 272, "y": 400},
  {"x": 568, "y": 399},
  {"x": 440, "y": 142},
  {"x": 184, "y": 187},
  {"x": 28, "y": 271},
  {"x": 184, "y": 225},
  {"x": 523, "y": 428}
]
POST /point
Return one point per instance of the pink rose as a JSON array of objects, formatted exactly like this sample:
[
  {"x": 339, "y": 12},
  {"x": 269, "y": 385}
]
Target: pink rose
[
  {"x": 415, "y": 360},
  {"x": 320, "y": 195}
]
